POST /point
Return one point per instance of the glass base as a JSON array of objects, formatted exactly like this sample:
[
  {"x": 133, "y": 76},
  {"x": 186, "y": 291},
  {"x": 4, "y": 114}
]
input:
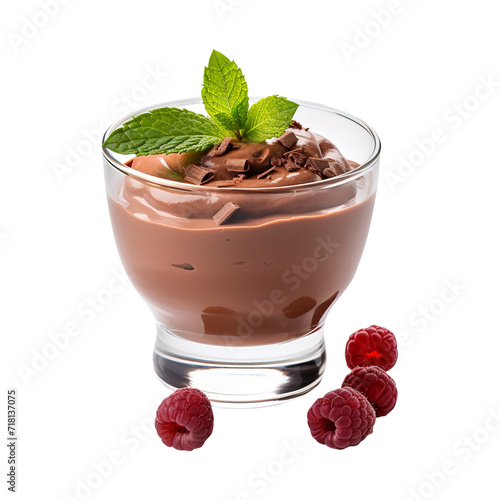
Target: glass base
[{"x": 241, "y": 376}]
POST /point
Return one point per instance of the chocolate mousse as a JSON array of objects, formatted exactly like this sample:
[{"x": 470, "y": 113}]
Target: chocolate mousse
[
  {"x": 298, "y": 156},
  {"x": 243, "y": 266}
]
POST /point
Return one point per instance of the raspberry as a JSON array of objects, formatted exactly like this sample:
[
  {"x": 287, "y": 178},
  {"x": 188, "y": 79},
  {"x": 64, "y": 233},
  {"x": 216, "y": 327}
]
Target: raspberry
[
  {"x": 372, "y": 346},
  {"x": 185, "y": 419},
  {"x": 378, "y": 387},
  {"x": 341, "y": 418}
]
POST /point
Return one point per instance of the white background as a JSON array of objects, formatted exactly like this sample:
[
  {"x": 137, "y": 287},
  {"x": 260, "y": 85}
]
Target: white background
[{"x": 434, "y": 234}]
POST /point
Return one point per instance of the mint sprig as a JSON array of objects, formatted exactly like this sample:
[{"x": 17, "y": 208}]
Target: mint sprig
[{"x": 225, "y": 95}]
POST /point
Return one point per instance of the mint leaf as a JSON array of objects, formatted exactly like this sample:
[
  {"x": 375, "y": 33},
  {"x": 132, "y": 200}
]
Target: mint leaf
[
  {"x": 225, "y": 93},
  {"x": 228, "y": 124},
  {"x": 269, "y": 117},
  {"x": 165, "y": 130}
]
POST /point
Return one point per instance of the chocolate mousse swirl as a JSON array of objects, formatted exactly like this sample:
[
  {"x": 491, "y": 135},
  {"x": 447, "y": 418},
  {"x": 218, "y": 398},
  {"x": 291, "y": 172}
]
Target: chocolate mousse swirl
[{"x": 283, "y": 166}]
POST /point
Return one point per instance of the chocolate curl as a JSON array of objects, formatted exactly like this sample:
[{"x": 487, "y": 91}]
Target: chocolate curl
[
  {"x": 237, "y": 165},
  {"x": 227, "y": 211},
  {"x": 197, "y": 175},
  {"x": 268, "y": 171},
  {"x": 223, "y": 147}
]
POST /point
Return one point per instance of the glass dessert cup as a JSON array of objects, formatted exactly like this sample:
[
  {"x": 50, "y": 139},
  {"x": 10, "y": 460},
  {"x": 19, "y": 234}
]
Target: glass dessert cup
[{"x": 240, "y": 308}]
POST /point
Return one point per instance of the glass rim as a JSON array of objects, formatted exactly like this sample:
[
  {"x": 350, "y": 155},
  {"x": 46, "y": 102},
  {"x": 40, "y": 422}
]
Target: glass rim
[{"x": 367, "y": 165}]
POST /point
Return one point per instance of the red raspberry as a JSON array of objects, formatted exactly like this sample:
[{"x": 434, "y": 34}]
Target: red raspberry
[
  {"x": 372, "y": 346},
  {"x": 185, "y": 419},
  {"x": 341, "y": 418},
  {"x": 376, "y": 385}
]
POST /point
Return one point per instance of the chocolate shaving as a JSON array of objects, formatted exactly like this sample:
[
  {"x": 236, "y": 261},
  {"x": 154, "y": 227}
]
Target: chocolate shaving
[
  {"x": 297, "y": 125},
  {"x": 228, "y": 183},
  {"x": 237, "y": 165},
  {"x": 223, "y": 147},
  {"x": 231, "y": 182},
  {"x": 328, "y": 167},
  {"x": 293, "y": 160},
  {"x": 317, "y": 165},
  {"x": 330, "y": 172},
  {"x": 288, "y": 139},
  {"x": 269, "y": 170},
  {"x": 186, "y": 266},
  {"x": 334, "y": 169},
  {"x": 225, "y": 213},
  {"x": 197, "y": 175}
]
